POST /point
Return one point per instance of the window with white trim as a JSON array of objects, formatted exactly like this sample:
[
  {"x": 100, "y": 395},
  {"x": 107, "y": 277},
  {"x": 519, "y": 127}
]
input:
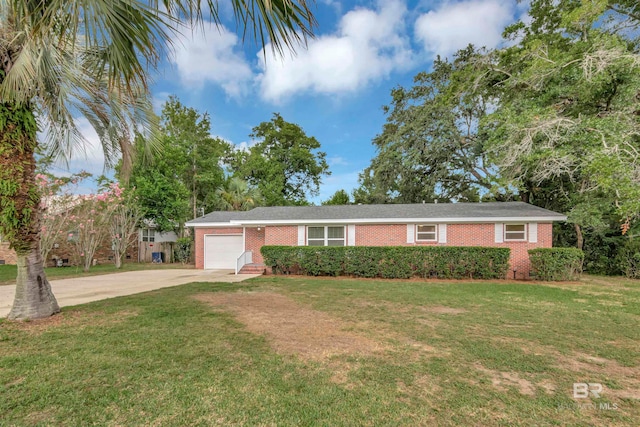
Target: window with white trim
[
  {"x": 148, "y": 235},
  {"x": 325, "y": 236},
  {"x": 515, "y": 232},
  {"x": 426, "y": 233}
]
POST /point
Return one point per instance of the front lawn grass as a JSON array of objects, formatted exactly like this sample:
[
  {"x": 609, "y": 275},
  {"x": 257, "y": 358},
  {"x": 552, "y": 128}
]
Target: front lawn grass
[
  {"x": 481, "y": 353},
  {"x": 8, "y": 272}
]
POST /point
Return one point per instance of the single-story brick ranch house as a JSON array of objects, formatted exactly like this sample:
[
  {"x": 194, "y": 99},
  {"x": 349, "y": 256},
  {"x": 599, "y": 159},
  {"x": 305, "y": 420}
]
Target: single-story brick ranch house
[{"x": 233, "y": 239}]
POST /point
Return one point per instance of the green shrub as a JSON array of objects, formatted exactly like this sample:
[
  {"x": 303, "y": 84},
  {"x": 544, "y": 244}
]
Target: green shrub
[
  {"x": 281, "y": 259},
  {"x": 556, "y": 263},
  {"x": 361, "y": 261},
  {"x": 390, "y": 262},
  {"x": 628, "y": 259},
  {"x": 182, "y": 251}
]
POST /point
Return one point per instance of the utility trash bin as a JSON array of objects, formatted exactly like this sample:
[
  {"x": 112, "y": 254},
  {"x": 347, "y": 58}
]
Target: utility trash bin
[{"x": 157, "y": 257}]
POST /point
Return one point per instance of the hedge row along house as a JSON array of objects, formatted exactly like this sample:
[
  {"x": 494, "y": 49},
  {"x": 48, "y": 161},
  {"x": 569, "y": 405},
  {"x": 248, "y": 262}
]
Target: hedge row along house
[{"x": 232, "y": 240}]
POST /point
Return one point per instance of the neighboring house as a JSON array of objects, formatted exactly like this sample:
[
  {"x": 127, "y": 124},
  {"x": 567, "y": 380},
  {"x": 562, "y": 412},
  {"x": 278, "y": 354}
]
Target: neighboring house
[
  {"x": 63, "y": 253},
  {"x": 152, "y": 241},
  {"x": 232, "y": 239},
  {"x": 7, "y": 256}
]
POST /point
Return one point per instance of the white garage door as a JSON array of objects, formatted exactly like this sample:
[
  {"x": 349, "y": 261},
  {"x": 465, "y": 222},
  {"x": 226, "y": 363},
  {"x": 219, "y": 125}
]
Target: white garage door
[{"x": 222, "y": 251}]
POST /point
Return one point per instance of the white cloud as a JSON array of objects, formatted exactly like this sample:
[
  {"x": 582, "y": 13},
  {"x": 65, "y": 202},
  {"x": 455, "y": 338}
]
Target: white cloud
[
  {"x": 337, "y": 161},
  {"x": 210, "y": 56},
  {"x": 245, "y": 145},
  {"x": 90, "y": 157},
  {"x": 368, "y": 46},
  {"x": 453, "y": 26}
]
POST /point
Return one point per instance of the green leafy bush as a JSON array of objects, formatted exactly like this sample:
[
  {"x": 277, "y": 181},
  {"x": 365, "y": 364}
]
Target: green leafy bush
[
  {"x": 556, "y": 263},
  {"x": 182, "y": 251},
  {"x": 281, "y": 259},
  {"x": 628, "y": 259},
  {"x": 391, "y": 262}
]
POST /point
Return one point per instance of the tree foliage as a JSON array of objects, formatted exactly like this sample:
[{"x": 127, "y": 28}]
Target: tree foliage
[
  {"x": 552, "y": 119},
  {"x": 181, "y": 181},
  {"x": 124, "y": 222},
  {"x": 285, "y": 164},
  {"x": 432, "y": 146},
  {"x": 57, "y": 203},
  {"x": 340, "y": 197},
  {"x": 568, "y": 113},
  {"x": 238, "y": 195}
]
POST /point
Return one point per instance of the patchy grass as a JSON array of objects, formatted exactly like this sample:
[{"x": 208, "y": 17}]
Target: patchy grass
[
  {"x": 305, "y": 351},
  {"x": 8, "y": 272}
]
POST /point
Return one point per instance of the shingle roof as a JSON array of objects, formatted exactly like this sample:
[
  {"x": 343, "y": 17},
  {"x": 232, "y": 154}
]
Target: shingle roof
[
  {"x": 386, "y": 213},
  {"x": 218, "y": 216}
]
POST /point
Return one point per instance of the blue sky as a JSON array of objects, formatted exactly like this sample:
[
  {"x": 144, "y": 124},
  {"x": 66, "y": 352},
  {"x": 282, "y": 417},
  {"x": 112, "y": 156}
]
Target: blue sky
[{"x": 335, "y": 87}]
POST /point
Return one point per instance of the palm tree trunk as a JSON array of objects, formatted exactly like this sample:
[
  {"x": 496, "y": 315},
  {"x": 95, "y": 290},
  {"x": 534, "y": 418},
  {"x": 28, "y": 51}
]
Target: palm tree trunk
[
  {"x": 20, "y": 211},
  {"x": 34, "y": 299}
]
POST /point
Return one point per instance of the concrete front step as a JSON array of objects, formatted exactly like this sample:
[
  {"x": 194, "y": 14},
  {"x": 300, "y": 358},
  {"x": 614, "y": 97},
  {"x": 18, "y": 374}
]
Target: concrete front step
[{"x": 252, "y": 269}]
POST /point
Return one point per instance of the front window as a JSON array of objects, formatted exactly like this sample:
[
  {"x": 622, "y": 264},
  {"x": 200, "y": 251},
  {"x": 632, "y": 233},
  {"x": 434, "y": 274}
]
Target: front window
[
  {"x": 325, "y": 236},
  {"x": 515, "y": 232},
  {"x": 426, "y": 233},
  {"x": 148, "y": 235}
]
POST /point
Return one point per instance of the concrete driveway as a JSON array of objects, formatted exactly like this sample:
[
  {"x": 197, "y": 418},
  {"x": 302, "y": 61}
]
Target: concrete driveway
[{"x": 93, "y": 288}]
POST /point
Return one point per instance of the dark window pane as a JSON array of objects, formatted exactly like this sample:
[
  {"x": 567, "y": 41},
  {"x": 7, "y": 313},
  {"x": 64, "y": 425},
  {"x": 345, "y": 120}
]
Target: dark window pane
[
  {"x": 336, "y": 232},
  {"x": 316, "y": 232},
  {"x": 426, "y": 229},
  {"x": 514, "y": 236},
  {"x": 426, "y": 236}
]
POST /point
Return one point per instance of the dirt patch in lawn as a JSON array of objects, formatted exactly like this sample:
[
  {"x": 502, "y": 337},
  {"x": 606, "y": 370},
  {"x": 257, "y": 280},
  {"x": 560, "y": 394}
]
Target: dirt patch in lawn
[
  {"x": 628, "y": 378},
  {"x": 441, "y": 309},
  {"x": 503, "y": 380},
  {"x": 76, "y": 318},
  {"x": 597, "y": 368},
  {"x": 292, "y": 328}
]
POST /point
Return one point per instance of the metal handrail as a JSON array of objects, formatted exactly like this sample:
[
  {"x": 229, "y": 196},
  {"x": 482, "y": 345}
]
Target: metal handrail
[{"x": 244, "y": 259}]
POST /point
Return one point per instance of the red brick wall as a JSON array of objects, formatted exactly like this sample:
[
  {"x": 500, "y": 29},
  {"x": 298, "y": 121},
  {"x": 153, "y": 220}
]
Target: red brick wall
[
  {"x": 381, "y": 235},
  {"x": 281, "y": 235},
  {"x": 199, "y": 240},
  {"x": 254, "y": 240},
  {"x": 6, "y": 254}
]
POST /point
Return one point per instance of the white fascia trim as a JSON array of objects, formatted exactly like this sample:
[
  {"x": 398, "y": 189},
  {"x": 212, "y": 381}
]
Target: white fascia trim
[
  {"x": 211, "y": 224},
  {"x": 470, "y": 220}
]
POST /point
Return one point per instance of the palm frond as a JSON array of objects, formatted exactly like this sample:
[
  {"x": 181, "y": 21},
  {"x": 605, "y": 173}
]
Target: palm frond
[{"x": 92, "y": 58}]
